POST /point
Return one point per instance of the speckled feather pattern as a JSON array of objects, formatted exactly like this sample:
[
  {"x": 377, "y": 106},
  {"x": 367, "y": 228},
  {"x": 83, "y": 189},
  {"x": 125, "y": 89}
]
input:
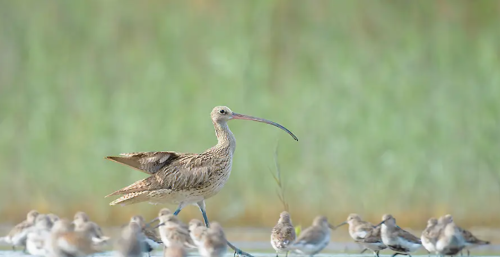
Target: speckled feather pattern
[{"x": 282, "y": 235}]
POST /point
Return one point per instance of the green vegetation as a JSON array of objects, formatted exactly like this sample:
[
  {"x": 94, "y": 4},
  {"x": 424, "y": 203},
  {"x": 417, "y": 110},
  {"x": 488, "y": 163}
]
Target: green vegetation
[{"x": 396, "y": 104}]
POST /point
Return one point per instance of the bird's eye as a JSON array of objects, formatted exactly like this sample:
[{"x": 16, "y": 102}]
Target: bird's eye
[{"x": 222, "y": 112}]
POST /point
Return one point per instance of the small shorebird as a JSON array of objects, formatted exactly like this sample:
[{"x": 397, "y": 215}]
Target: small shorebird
[
  {"x": 38, "y": 237},
  {"x": 314, "y": 238},
  {"x": 130, "y": 243},
  {"x": 80, "y": 219},
  {"x": 186, "y": 178},
  {"x": 197, "y": 230},
  {"x": 214, "y": 243},
  {"x": 174, "y": 251},
  {"x": 470, "y": 240},
  {"x": 66, "y": 242},
  {"x": 150, "y": 237},
  {"x": 430, "y": 235},
  {"x": 18, "y": 235},
  {"x": 450, "y": 241},
  {"x": 364, "y": 233},
  {"x": 397, "y": 239},
  {"x": 172, "y": 233},
  {"x": 283, "y": 234}
]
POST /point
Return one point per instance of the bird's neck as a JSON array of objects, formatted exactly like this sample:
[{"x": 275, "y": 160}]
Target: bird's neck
[{"x": 225, "y": 138}]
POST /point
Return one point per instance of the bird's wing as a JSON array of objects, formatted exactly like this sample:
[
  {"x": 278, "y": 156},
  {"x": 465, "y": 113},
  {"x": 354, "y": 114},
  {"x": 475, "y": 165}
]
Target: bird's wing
[
  {"x": 151, "y": 234},
  {"x": 147, "y": 162},
  {"x": 408, "y": 236},
  {"x": 311, "y": 235},
  {"x": 18, "y": 229},
  {"x": 184, "y": 172},
  {"x": 470, "y": 238}
]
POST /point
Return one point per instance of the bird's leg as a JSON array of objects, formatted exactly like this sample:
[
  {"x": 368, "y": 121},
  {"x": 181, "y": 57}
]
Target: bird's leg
[
  {"x": 468, "y": 252},
  {"x": 237, "y": 251},
  {"x": 376, "y": 253},
  {"x": 395, "y": 254},
  {"x": 181, "y": 205},
  {"x": 201, "y": 205},
  {"x": 364, "y": 250}
]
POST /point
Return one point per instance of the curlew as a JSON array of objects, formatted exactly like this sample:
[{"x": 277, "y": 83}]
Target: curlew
[
  {"x": 364, "y": 233},
  {"x": 397, "y": 239},
  {"x": 186, "y": 178}
]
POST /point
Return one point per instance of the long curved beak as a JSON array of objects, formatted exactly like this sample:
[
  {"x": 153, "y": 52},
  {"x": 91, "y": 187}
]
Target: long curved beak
[
  {"x": 247, "y": 117},
  {"x": 341, "y": 224}
]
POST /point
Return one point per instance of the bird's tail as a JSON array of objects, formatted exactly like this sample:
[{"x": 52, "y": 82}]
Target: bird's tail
[{"x": 131, "y": 198}]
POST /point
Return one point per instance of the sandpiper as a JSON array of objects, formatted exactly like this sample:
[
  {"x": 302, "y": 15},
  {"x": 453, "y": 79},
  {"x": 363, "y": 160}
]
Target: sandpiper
[
  {"x": 130, "y": 243},
  {"x": 38, "y": 237},
  {"x": 214, "y": 243},
  {"x": 67, "y": 242},
  {"x": 283, "y": 234},
  {"x": 364, "y": 233},
  {"x": 171, "y": 232},
  {"x": 314, "y": 238},
  {"x": 150, "y": 238},
  {"x": 397, "y": 239},
  {"x": 80, "y": 219},
  {"x": 197, "y": 230},
  {"x": 18, "y": 235},
  {"x": 175, "y": 250},
  {"x": 450, "y": 241},
  {"x": 430, "y": 235},
  {"x": 186, "y": 178},
  {"x": 470, "y": 240}
]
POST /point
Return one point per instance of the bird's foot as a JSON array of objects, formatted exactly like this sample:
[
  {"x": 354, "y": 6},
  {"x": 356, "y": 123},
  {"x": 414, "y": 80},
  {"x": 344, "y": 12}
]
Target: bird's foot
[{"x": 237, "y": 251}]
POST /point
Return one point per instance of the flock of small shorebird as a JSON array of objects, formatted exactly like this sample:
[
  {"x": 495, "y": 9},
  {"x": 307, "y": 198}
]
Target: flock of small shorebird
[
  {"x": 47, "y": 235},
  {"x": 189, "y": 179}
]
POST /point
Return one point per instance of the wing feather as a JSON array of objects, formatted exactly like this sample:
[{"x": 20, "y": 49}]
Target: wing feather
[{"x": 147, "y": 162}]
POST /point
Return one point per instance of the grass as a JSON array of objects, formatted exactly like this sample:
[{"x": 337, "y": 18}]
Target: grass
[{"x": 395, "y": 103}]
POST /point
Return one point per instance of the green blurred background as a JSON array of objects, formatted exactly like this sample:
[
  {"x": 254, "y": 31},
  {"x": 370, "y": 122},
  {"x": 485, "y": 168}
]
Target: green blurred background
[{"x": 396, "y": 105}]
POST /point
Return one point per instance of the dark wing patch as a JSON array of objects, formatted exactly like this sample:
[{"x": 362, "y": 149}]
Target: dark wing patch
[{"x": 147, "y": 162}]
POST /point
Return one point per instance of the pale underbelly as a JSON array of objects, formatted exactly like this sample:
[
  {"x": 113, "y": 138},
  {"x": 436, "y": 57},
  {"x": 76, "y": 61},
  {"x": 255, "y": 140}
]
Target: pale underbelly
[{"x": 190, "y": 196}]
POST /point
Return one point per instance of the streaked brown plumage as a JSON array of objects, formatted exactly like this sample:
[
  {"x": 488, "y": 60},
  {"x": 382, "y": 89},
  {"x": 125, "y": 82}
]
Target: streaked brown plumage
[
  {"x": 18, "y": 235},
  {"x": 185, "y": 178},
  {"x": 364, "y": 233},
  {"x": 151, "y": 236},
  {"x": 283, "y": 234}
]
